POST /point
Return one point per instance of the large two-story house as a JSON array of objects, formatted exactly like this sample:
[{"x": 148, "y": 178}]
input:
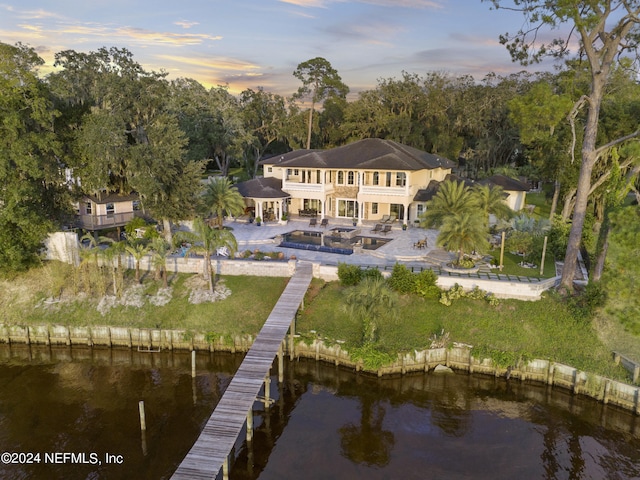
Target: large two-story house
[{"x": 365, "y": 180}]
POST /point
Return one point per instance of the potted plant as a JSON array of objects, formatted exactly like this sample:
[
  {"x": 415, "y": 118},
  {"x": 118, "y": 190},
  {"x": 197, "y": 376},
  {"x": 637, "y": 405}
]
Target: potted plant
[
  {"x": 404, "y": 226},
  {"x": 354, "y": 220},
  {"x": 258, "y": 221}
]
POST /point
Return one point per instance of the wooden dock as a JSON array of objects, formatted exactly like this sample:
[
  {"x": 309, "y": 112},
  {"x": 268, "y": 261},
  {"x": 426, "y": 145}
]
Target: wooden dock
[{"x": 211, "y": 450}]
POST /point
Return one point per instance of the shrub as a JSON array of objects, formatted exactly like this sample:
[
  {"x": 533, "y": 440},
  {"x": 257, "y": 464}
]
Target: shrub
[
  {"x": 371, "y": 272},
  {"x": 448, "y": 296},
  {"x": 584, "y": 305},
  {"x": 349, "y": 275},
  {"x": 402, "y": 280},
  {"x": 425, "y": 284}
]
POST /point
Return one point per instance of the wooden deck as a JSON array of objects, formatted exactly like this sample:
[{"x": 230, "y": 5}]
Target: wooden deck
[{"x": 209, "y": 452}]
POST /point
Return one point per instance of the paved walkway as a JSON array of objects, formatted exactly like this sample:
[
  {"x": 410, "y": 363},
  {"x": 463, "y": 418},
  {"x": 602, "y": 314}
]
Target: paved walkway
[{"x": 400, "y": 249}]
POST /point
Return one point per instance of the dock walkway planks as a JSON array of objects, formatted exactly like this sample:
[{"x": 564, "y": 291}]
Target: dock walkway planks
[{"x": 211, "y": 449}]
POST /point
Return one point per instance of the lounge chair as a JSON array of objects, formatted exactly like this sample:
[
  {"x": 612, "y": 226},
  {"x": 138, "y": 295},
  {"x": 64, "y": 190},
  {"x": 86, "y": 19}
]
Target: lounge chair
[
  {"x": 313, "y": 222},
  {"x": 392, "y": 218},
  {"x": 324, "y": 222},
  {"x": 377, "y": 228},
  {"x": 222, "y": 252},
  {"x": 385, "y": 218},
  {"x": 386, "y": 229}
]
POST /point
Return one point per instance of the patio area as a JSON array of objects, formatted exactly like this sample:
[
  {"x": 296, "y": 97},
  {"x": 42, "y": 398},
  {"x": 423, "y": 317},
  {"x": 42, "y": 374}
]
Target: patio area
[{"x": 400, "y": 248}]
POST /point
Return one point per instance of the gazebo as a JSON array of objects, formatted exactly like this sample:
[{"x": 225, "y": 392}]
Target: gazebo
[{"x": 266, "y": 197}]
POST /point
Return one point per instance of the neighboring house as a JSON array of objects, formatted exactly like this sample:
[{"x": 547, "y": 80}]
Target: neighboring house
[
  {"x": 366, "y": 180},
  {"x": 97, "y": 212},
  {"x": 515, "y": 190}
]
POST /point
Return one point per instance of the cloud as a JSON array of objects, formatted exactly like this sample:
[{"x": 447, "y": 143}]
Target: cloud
[
  {"x": 214, "y": 63},
  {"x": 186, "y": 24},
  {"x": 150, "y": 36},
  {"x": 374, "y": 32}
]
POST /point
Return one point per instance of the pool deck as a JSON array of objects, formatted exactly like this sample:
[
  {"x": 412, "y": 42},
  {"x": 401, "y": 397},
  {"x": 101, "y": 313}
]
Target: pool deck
[{"x": 401, "y": 249}]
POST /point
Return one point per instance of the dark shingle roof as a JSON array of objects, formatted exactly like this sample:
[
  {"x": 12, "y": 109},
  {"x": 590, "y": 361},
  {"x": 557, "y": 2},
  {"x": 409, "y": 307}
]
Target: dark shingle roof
[
  {"x": 111, "y": 198},
  {"x": 262, "y": 188},
  {"x": 506, "y": 183},
  {"x": 426, "y": 194},
  {"x": 370, "y": 153}
]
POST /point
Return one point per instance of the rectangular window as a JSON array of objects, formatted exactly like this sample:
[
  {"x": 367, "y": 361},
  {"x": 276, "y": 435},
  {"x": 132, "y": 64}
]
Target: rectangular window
[
  {"x": 351, "y": 178},
  {"x": 388, "y": 182},
  {"x": 136, "y": 205},
  {"x": 376, "y": 178},
  {"x": 347, "y": 208},
  {"x": 87, "y": 208},
  {"x": 270, "y": 169},
  {"x": 111, "y": 209},
  {"x": 401, "y": 179},
  {"x": 296, "y": 172},
  {"x": 374, "y": 208}
]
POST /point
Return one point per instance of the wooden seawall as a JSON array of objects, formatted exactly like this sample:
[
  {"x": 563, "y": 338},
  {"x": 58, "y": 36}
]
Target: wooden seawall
[{"x": 211, "y": 450}]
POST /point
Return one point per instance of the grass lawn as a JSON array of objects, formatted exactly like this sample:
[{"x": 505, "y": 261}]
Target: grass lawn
[
  {"x": 243, "y": 312},
  {"x": 542, "y": 329},
  {"x": 511, "y": 265}
]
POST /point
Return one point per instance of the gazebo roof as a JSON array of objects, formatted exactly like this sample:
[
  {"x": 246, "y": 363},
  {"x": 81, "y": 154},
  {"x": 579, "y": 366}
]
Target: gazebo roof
[{"x": 262, "y": 188}]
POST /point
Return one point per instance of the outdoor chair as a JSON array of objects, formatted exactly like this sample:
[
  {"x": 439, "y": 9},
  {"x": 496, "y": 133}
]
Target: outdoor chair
[
  {"x": 385, "y": 218},
  {"x": 377, "y": 228},
  {"x": 222, "y": 252},
  {"x": 313, "y": 222},
  {"x": 324, "y": 222},
  {"x": 420, "y": 244},
  {"x": 386, "y": 229},
  {"x": 392, "y": 218}
]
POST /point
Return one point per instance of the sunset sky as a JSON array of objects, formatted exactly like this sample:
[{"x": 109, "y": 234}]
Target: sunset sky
[{"x": 251, "y": 43}]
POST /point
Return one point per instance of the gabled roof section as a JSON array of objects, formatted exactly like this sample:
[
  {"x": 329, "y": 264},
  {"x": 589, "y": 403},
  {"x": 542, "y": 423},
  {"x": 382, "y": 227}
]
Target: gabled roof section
[
  {"x": 111, "y": 198},
  {"x": 506, "y": 183},
  {"x": 370, "y": 153},
  {"x": 270, "y": 187}
]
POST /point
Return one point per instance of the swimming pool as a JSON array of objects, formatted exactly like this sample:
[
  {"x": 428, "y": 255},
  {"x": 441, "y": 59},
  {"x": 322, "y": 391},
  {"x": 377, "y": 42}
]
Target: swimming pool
[{"x": 329, "y": 242}]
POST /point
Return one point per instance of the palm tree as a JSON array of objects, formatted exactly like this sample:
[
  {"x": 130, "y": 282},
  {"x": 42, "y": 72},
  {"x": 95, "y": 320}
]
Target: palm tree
[
  {"x": 111, "y": 253},
  {"x": 369, "y": 302},
  {"x": 205, "y": 241},
  {"x": 463, "y": 232},
  {"x": 222, "y": 198},
  {"x": 490, "y": 200},
  {"x": 451, "y": 198},
  {"x": 137, "y": 250},
  {"x": 89, "y": 255},
  {"x": 160, "y": 249}
]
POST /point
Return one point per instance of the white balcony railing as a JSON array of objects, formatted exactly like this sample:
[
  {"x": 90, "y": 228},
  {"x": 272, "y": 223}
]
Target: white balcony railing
[
  {"x": 304, "y": 187},
  {"x": 386, "y": 191}
]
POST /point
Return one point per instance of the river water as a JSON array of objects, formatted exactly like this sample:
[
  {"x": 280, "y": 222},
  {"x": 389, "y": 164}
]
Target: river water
[{"x": 73, "y": 413}]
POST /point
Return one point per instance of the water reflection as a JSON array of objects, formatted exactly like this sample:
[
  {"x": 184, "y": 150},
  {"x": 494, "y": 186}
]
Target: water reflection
[
  {"x": 325, "y": 422},
  {"x": 347, "y": 426},
  {"x": 368, "y": 442}
]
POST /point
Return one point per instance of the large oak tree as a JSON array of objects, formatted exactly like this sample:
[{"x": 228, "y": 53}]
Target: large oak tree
[{"x": 606, "y": 31}]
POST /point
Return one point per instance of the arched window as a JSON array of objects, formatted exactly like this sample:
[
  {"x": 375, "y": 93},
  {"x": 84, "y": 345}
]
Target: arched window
[{"x": 340, "y": 178}]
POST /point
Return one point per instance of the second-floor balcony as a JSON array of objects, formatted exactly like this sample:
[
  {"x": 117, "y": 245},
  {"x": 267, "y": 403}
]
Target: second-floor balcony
[
  {"x": 384, "y": 191},
  {"x": 289, "y": 186}
]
